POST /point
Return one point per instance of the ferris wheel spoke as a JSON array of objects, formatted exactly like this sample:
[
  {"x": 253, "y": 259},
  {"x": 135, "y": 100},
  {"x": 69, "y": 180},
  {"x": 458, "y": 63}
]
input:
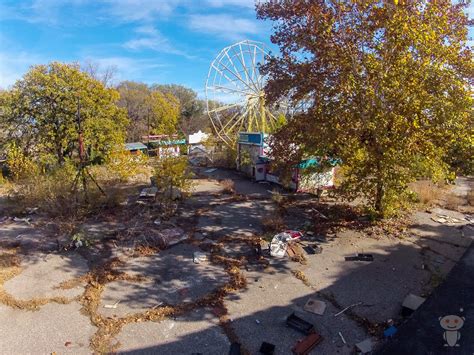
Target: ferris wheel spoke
[
  {"x": 254, "y": 64},
  {"x": 237, "y": 75},
  {"x": 235, "y": 68},
  {"x": 223, "y": 108},
  {"x": 241, "y": 59},
  {"x": 241, "y": 120},
  {"x": 227, "y": 89},
  {"x": 239, "y": 80},
  {"x": 232, "y": 119}
]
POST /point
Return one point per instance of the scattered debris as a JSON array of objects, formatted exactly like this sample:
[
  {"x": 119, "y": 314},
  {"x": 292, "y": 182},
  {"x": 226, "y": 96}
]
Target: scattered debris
[
  {"x": 301, "y": 276},
  {"x": 31, "y": 210},
  {"x": 4, "y": 219},
  {"x": 342, "y": 338},
  {"x": 157, "y": 222},
  {"x": 315, "y": 306},
  {"x": 347, "y": 308},
  {"x": 149, "y": 192},
  {"x": 411, "y": 303},
  {"x": 25, "y": 220},
  {"x": 299, "y": 324},
  {"x": 210, "y": 170},
  {"x": 294, "y": 251},
  {"x": 200, "y": 257},
  {"x": 171, "y": 236},
  {"x": 305, "y": 345},
  {"x": 235, "y": 349},
  {"x": 267, "y": 348},
  {"x": 365, "y": 346},
  {"x": 390, "y": 331},
  {"x": 313, "y": 249},
  {"x": 112, "y": 306},
  {"x": 360, "y": 257},
  {"x": 319, "y": 214},
  {"x": 445, "y": 219},
  {"x": 279, "y": 244}
]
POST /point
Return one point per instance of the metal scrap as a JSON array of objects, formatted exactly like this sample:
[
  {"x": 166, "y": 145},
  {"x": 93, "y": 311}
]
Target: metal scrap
[{"x": 347, "y": 308}]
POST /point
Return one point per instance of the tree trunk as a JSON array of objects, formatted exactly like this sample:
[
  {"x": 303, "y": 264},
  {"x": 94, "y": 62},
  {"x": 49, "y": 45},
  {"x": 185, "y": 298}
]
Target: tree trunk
[{"x": 379, "y": 206}]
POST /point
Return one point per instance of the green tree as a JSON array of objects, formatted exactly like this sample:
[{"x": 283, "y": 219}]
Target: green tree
[
  {"x": 134, "y": 98},
  {"x": 192, "y": 116},
  {"x": 164, "y": 110},
  {"x": 149, "y": 110},
  {"x": 391, "y": 88},
  {"x": 42, "y": 108}
]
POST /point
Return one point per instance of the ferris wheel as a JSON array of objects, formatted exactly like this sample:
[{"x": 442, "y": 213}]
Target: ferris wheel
[{"x": 234, "y": 91}]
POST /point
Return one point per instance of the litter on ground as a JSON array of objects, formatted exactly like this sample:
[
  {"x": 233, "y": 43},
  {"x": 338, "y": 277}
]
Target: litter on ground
[
  {"x": 365, "y": 346},
  {"x": 279, "y": 244},
  {"x": 411, "y": 303},
  {"x": 299, "y": 324},
  {"x": 360, "y": 257},
  {"x": 112, "y": 306},
  {"x": 149, "y": 192},
  {"x": 315, "y": 306},
  {"x": 171, "y": 236},
  {"x": 347, "y": 308},
  {"x": 305, "y": 345},
  {"x": 445, "y": 219},
  {"x": 267, "y": 348},
  {"x": 200, "y": 257}
]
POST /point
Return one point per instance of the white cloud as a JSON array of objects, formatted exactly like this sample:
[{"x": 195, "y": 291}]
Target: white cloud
[
  {"x": 224, "y": 26},
  {"x": 127, "y": 68},
  {"x": 153, "y": 40},
  {"x": 139, "y": 10},
  {"x": 13, "y": 65},
  {"x": 240, "y": 3}
]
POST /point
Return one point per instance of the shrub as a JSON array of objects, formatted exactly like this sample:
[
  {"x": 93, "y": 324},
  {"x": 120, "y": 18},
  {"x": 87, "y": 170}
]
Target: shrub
[
  {"x": 229, "y": 186},
  {"x": 172, "y": 172},
  {"x": 122, "y": 165},
  {"x": 19, "y": 165},
  {"x": 426, "y": 191}
]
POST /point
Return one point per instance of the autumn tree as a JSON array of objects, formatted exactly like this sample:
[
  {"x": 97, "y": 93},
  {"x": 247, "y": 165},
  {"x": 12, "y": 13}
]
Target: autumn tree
[
  {"x": 164, "y": 109},
  {"x": 134, "y": 99},
  {"x": 42, "y": 107},
  {"x": 150, "y": 111},
  {"x": 389, "y": 88},
  {"x": 192, "y": 116}
]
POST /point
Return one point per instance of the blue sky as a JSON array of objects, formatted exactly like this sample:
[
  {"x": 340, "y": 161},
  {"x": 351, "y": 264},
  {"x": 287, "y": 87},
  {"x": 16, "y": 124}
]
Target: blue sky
[{"x": 154, "y": 41}]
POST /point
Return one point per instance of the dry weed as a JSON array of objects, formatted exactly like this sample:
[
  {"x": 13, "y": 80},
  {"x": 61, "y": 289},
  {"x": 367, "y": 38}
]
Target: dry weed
[
  {"x": 228, "y": 186},
  {"x": 470, "y": 197},
  {"x": 427, "y": 191},
  {"x": 301, "y": 276},
  {"x": 273, "y": 223},
  {"x": 453, "y": 202}
]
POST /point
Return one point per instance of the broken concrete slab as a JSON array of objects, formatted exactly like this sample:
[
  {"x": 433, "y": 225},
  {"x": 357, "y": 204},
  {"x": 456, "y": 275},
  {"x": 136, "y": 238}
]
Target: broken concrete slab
[
  {"x": 169, "y": 277},
  {"x": 411, "y": 303},
  {"x": 196, "y": 332},
  {"x": 60, "y": 329},
  {"x": 365, "y": 346},
  {"x": 42, "y": 275}
]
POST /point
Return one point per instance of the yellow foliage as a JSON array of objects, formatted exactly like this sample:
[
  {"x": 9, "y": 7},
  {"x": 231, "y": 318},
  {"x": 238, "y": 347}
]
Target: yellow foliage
[
  {"x": 123, "y": 165},
  {"x": 19, "y": 165}
]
